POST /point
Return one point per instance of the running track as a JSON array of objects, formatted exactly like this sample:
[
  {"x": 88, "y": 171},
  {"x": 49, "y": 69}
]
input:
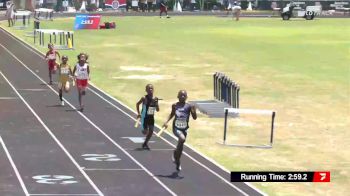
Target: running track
[{"x": 50, "y": 150}]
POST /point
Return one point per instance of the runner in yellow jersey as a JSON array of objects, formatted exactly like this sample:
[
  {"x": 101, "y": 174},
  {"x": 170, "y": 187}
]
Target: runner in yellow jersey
[{"x": 64, "y": 73}]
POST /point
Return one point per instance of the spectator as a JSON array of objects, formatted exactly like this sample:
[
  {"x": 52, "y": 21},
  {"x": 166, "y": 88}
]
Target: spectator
[
  {"x": 10, "y": 13},
  {"x": 193, "y": 4},
  {"x": 150, "y": 5},
  {"x": 143, "y": 5},
  {"x": 163, "y": 8},
  {"x": 154, "y": 5}
]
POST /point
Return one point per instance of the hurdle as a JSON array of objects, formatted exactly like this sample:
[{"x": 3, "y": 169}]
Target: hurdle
[
  {"x": 225, "y": 89},
  {"x": 25, "y": 19},
  {"x": 38, "y": 13},
  {"x": 66, "y": 38},
  {"x": 236, "y": 113}
]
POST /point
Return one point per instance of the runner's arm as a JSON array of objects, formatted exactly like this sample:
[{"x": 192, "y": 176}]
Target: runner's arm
[
  {"x": 70, "y": 71},
  {"x": 138, "y": 106},
  {"x": 74, "y": 69},
  {"x": 88, "y": 70},
  {"x": 47, "y": 54},
  {"x": 59, "y": 56},
  {"x": 172, "y": 114},
  {"x": 157, "y": 105},
  {"x": 193, "y": 112}
]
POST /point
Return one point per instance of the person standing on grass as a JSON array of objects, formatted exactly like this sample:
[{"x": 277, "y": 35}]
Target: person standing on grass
[
  {"x": 64, "y": 73},
  {"x": 81, "y": 73},
  {"x": 51, "y": 60},
  {"x": 163, "y": 8},
  {"x": 236, "y": 10},
  {"x": 182, "y": 111},
  {"x": 10, "y": 13},
  {"x": 149, "y": 106}
]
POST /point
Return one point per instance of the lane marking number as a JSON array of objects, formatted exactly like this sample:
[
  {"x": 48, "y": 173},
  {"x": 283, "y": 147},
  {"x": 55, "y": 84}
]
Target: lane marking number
[
  {"x": 100, "y": 157},
  {"x": 54, "y": 179}
]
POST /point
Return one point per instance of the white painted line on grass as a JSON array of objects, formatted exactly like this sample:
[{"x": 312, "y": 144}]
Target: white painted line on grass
[{"x": 14, "y": 166}]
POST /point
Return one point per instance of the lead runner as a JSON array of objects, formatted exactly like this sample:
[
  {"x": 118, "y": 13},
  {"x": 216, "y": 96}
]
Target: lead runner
[
  {"x": 182, "y": 111},
  {"x": 81, "y": 73}
]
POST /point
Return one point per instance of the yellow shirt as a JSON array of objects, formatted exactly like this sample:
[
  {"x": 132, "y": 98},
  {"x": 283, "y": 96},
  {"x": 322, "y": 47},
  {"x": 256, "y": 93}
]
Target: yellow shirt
[{"x": 64, "y": 72}]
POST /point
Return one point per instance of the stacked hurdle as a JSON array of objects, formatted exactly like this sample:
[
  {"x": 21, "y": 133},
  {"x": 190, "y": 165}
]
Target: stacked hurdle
[
  {"x": 66, "y": 38},
  {"x": 226, "y": 90}
]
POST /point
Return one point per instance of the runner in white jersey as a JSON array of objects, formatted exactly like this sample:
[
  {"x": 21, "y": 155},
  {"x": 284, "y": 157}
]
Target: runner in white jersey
[{"x": 81, "y": 73}]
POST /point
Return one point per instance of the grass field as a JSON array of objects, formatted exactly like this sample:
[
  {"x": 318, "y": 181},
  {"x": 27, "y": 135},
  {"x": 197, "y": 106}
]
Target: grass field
[{"x": 299, "y": 68}]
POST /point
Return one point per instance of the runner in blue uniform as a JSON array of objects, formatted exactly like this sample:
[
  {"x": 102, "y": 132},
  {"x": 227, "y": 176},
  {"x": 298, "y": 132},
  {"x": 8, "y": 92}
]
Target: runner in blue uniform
[{"x": 182, "y": 111}]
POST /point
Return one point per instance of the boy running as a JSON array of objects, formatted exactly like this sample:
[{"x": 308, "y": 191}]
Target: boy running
[
  {"x": 51, "y": 60},
  {"x": 182, "y": 111},
  {"x": 81, "y": 73},
  {"x": 149, "y": 106},
  {"x": 64, "y": 72}
]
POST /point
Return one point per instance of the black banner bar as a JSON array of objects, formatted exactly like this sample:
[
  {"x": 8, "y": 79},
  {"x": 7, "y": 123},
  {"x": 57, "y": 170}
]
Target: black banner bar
[{"x": 272, "y": 176}]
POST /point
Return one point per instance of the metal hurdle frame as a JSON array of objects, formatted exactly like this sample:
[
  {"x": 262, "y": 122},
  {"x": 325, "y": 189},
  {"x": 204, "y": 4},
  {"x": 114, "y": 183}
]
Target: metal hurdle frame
[
  {"x": 63, "y": 38},
  {"x": 248, "y": 111},
  {"x": 226, "y": 90},
  {"x": 48, "y": 16}
]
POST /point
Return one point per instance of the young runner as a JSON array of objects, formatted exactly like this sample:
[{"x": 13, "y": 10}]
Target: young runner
[
  {"x": 149, "y": 106},
  {"x": 64, "y": 73},
  {"x": 81, "y": 73},
  {"x": 163, "y": 8},
  {"x": 51, "y": 60},
  {"x": 182, "y": 111}
]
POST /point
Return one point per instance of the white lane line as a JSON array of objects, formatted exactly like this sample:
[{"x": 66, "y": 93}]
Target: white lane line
[
  {"x": 101, "y": 169},
  {"x": 14, "y": 166},
  {"x": 193, "y": 159},
  {"x": 187, "y": 145},
  {"x": 152, "y": 149},
  {"x": 94, "y": 125},
  {"x": 63, "y": 194},
  {"x": 52, "y": 135},
  {"x": 41, "y": 55},
  {"x": 8, "y": 98},
  {"x": 31, "y": 89}
]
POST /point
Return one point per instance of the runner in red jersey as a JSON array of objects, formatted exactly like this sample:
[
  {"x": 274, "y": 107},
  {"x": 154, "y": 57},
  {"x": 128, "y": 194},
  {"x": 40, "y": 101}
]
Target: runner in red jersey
[{"x": 51, "y": 60}]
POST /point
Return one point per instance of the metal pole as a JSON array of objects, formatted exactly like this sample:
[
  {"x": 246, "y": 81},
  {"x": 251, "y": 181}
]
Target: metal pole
[
  {"x": 229, "y": 94},
  {"x": 61, "y": 39},
  {"x": 272, "y": 126},
  {"x": 234, "y": 88},
  {"x": 73, "y": 40},
  {"x": 40, "y": 38},
  {"x": 43, "y": 40},
  {"x": 220, "y": 88},
  {"x": 214, "y": 80},
  {"x": 238, "y": 96},
  {"x": 223, "y": 89},
  {"x": 225, "y": 125}
]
